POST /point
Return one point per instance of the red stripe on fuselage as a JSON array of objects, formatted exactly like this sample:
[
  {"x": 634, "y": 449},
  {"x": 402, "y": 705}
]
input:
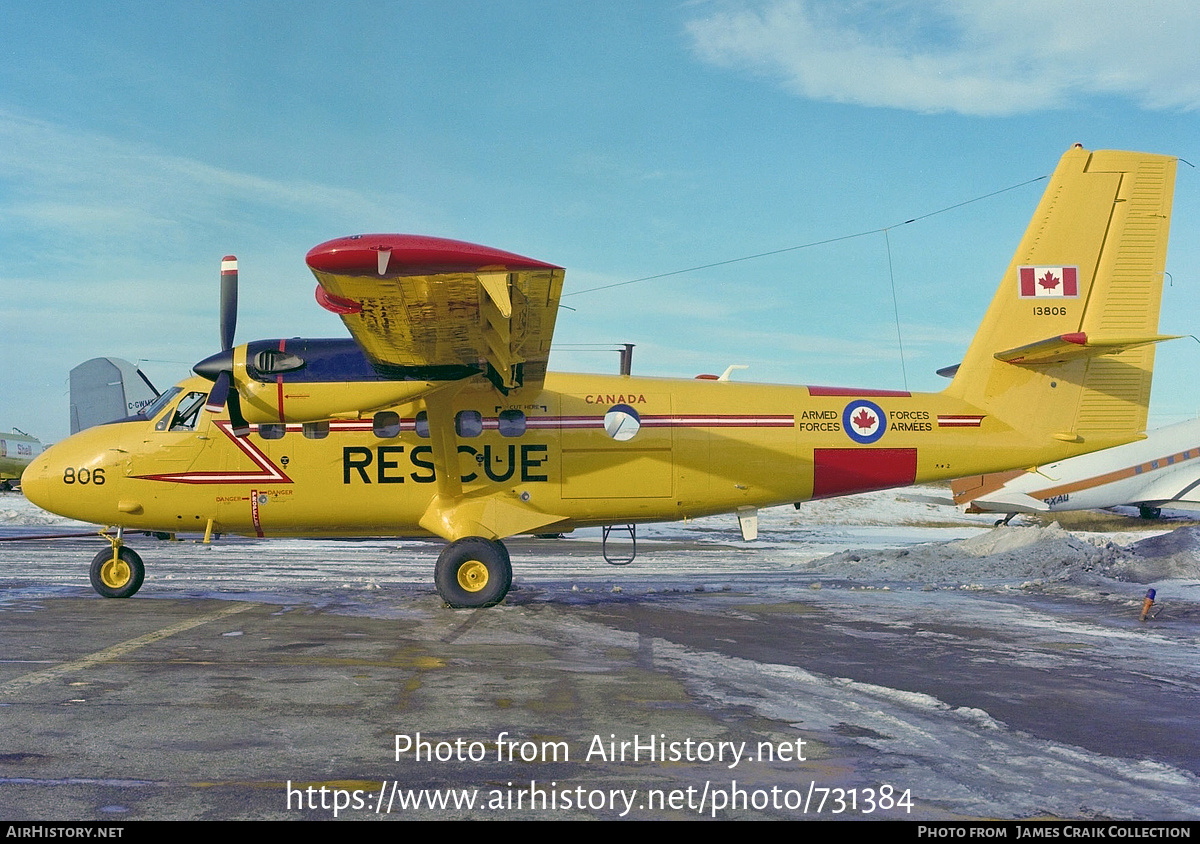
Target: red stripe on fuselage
[
  {"x": 279, "y": 383},
  {"x": 850, "y": 392}
]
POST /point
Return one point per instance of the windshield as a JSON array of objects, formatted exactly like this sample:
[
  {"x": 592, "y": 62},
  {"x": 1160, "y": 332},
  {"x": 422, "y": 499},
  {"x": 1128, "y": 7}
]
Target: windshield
[{"x": 159, "y": 403}]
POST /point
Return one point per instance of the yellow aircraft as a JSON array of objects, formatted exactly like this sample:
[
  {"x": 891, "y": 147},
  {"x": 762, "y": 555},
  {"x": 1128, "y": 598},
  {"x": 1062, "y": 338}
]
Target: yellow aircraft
[{"x": 439, "y": 416}]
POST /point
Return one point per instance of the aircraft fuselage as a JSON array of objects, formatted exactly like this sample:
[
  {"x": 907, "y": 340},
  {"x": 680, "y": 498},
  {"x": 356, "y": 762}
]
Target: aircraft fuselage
[{"x": 583, "y": 450}]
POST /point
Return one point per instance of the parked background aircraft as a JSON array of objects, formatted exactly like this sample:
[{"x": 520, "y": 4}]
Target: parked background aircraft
[
  {"x": 438, "y": 416},
  {"x": 1148, "y": 474},
  {"x": 17, "y": 450},
  {"x": 102, "y": 390},
  {"x": 107, "y": 389}
]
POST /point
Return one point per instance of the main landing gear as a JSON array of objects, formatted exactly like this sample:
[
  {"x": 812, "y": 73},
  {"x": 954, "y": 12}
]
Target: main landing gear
[
  {"x": 473, "y": 572},
  {"x": 117, "y": 573}
]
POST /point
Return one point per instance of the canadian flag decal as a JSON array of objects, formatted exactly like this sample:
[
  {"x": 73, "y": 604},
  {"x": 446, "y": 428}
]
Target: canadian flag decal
[{"x": 1049, "y": 282}]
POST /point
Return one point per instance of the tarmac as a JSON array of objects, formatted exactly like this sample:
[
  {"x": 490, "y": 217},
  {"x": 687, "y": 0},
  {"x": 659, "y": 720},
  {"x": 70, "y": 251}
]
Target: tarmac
[{"x": 670, "y": 697}]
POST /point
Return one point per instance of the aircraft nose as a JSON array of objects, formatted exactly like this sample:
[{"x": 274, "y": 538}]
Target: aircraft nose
[{"x": 36, "y": 481}]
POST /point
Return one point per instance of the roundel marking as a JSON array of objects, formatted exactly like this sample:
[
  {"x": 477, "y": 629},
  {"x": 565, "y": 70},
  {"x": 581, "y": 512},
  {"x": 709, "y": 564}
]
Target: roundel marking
[
  {"x": 622, "y": 422},
  {"x": 864, "y": 421}
]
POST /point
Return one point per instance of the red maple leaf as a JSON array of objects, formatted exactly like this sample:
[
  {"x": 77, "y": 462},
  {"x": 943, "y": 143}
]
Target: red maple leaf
[
  {"x": 863, "y": 420},
  {"x": 1049, "y": 280}
]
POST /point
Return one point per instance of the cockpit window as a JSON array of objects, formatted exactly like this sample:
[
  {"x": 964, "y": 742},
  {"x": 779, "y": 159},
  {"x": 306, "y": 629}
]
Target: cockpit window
[
  {"x": 156, "y": 406},
  {"x": 186, "y": 414}
]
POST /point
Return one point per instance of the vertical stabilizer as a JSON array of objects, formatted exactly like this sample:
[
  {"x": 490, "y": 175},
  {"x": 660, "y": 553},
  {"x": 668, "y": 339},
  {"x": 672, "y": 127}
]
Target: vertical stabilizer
[
  {"x": 107, "y": 389},
  {"x": 1066, "y": 349}
]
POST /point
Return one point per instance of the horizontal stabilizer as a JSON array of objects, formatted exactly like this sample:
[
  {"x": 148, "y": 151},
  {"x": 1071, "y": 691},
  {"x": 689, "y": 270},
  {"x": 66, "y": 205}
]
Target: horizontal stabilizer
[
  {"x": 1066, "y": 347},
  {"x": 976, "y": 486},
  {"x": 1010, "y": 502}
]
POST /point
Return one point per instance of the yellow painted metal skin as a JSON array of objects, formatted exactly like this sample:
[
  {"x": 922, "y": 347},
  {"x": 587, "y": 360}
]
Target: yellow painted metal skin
[
  {"x": 1108, "y": 214},
  {"x": 703, "y": 447}
]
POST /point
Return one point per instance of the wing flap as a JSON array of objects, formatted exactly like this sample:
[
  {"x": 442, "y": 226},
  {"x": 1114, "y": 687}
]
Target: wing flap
[{"x": 421, "y": 305}]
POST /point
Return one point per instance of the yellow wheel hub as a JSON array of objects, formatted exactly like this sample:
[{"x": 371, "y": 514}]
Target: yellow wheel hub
[
  {"x": 115, "y": 573},
  {"x": 472, "y": 575}
]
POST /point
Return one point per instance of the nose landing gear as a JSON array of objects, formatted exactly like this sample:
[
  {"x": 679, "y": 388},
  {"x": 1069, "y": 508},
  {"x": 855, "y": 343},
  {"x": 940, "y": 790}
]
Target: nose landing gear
[{"x": 117, "y": 573}]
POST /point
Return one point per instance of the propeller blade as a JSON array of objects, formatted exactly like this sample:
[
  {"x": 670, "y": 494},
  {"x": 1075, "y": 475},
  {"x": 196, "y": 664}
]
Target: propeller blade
[
  {"x": 229, "y": 295},
  {"x": 218, "y": 368},
  {"x": 224, "y": 393},
  {"x": 241, "y": 428},
  {"x": 219, "y": 393}
]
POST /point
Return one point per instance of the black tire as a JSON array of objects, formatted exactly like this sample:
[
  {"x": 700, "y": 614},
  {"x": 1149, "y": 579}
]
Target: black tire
[
  {"x": 473, "y": 572},
  {"x": 120, "y": 579},
  {"x": 1149, "y": 512}
]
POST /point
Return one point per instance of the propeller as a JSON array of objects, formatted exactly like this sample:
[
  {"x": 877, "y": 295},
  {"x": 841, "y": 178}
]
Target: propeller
[{"x": 219, "y": 367}]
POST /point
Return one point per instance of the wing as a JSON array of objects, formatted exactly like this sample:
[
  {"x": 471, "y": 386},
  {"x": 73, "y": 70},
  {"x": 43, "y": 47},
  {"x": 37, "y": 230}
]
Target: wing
[{"x": 437, "y": 309}]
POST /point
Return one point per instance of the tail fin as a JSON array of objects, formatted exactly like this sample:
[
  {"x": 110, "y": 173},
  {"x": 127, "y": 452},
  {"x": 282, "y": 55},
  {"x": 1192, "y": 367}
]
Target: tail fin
[
  {"x": 1066, "y": 347},
  {"x": 105, "y": 390}
]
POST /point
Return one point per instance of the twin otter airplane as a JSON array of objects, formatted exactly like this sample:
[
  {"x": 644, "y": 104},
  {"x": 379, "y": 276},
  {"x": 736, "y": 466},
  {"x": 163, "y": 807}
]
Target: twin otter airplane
[{"x": 439, "y": 416}]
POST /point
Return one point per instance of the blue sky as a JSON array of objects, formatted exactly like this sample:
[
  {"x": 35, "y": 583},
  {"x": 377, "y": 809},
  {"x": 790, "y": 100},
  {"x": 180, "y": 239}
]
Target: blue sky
[{"x": 140, "y": 142}]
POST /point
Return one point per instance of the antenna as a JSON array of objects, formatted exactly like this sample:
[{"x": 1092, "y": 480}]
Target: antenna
[{"x": 626, "y": 351}]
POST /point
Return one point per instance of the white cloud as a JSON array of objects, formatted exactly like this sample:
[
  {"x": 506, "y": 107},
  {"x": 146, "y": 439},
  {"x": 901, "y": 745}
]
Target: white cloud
[
  {"x": 1001, "y": 57},
  {"x": 112, "y": 247},
  {"x": 62, "y": 180}
]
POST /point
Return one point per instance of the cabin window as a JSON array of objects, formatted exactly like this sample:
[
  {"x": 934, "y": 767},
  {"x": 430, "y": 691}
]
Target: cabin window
[
  {"x": 468, "y": 423},
  {"x": 272, "y": 430},
  {"x": 511, "y": 423},
  {"x": 422, "y": 424},
  {"x": 386, "y": 424},
  {"x": 316, "y": 430}
]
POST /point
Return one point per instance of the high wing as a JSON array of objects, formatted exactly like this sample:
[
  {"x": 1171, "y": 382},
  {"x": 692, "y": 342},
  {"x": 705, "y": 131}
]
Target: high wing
[{"x": 434, "y": 309}]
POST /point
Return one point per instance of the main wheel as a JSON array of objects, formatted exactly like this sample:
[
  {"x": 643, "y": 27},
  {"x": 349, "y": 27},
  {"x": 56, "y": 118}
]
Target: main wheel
[
  {"x": 120, "y": 577},
  {"x": 473, "y": 572},
  {"x": 1147, "y": 512}
]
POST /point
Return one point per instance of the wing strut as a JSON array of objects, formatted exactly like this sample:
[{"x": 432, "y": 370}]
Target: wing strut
[
  {"x": 439, "y": 405},
  {"x": 454, "y": 513}
]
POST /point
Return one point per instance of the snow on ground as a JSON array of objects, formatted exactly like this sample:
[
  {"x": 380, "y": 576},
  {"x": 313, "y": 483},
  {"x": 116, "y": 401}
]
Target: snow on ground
[
  {"x": 922, "y": 608},
  {"x": 910, "y": 535},
  {"x": 16, "y": 511}
]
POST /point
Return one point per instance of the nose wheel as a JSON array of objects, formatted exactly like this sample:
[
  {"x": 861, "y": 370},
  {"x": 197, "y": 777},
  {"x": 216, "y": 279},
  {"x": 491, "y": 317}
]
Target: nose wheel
[
  {"x": 117, "y": 573},
  {"x": 473, "y": 572}
]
